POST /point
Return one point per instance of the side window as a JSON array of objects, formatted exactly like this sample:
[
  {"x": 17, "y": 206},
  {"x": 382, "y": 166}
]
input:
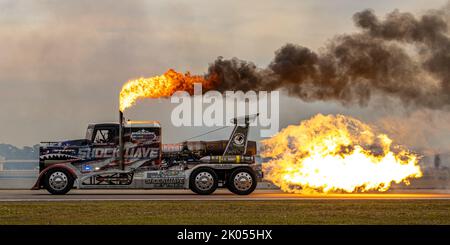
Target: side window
[
  {"x": 89, "y": 132},
  {"x": 104, "y": 136}
]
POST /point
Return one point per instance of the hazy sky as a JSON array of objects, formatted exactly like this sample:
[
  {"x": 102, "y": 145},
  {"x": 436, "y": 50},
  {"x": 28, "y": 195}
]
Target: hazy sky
[{"x": 62, "y": 63}]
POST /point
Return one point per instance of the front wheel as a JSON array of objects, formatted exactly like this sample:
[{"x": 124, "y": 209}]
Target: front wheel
[
  {"x": 58, "y": 181},
  {"x": 242, "y": 181},
  {"x": 203, "y": 181}
]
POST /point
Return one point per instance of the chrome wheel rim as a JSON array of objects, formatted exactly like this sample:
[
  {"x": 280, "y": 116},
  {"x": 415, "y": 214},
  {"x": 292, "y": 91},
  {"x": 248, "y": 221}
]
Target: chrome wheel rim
[
  {"x": 58, "y": 181},
  {"x": 243, "y": 181},
  {"x": 204, "y": 181}
]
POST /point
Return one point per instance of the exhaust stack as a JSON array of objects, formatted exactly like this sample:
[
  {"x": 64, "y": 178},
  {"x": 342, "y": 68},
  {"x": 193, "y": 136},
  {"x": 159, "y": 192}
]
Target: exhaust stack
[{"x": 121, "y": 143}]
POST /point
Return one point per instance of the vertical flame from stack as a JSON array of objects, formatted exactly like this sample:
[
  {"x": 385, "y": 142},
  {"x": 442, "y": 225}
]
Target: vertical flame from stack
[{"x": 159, "y": 86}]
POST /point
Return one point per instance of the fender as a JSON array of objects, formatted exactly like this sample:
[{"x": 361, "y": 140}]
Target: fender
[{"x": 37, "y": 185}]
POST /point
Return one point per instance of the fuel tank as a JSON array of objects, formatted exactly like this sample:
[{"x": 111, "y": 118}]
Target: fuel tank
[{"x": 205, "y": 148}]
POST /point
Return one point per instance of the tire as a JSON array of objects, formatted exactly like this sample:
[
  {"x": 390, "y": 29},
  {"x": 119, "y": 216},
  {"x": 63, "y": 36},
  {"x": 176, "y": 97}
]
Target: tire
[
  {"x": 203, "y": 181},
  {"x": 242, "y": 181},
  {"x": 58, "y": 181}
]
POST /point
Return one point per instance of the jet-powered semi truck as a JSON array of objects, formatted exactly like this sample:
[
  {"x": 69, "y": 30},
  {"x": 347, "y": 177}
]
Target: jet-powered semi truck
[{"x": 130, "y": 155}]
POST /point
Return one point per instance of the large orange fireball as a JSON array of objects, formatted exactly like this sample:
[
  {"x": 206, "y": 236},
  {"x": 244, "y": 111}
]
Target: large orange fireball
[
  {"x": 336, "y": 154},
  {"x": 159, "y": 86}
]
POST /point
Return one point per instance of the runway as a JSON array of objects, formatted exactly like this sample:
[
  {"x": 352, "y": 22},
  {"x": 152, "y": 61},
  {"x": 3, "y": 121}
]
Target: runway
[{"x": 220, "y": 195}]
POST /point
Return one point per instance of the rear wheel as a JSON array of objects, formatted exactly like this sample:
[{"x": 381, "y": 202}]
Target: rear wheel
[
  {"x": 242, "y": 181},
  {"x": 58, "y": 181},
  {"x": 203, "y": 181}
]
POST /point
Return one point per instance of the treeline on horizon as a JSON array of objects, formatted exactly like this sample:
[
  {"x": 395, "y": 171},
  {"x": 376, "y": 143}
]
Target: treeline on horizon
[{"x": 11, "y": 152}]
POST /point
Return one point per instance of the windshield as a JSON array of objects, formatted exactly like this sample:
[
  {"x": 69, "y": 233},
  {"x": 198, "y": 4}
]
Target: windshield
[{"x": 89, "y": 132}]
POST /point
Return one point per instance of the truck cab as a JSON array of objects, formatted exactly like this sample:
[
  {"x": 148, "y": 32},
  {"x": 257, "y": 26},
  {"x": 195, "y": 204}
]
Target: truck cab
[{"x": 132, "y": 156}]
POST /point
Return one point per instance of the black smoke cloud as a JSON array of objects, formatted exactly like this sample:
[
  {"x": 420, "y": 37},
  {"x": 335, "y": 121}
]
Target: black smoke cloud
[{"x": 403, "y": 56}]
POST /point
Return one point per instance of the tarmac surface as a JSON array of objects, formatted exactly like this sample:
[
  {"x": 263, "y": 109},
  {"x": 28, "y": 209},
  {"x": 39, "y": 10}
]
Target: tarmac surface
[{"x": 219, "y": 195}]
